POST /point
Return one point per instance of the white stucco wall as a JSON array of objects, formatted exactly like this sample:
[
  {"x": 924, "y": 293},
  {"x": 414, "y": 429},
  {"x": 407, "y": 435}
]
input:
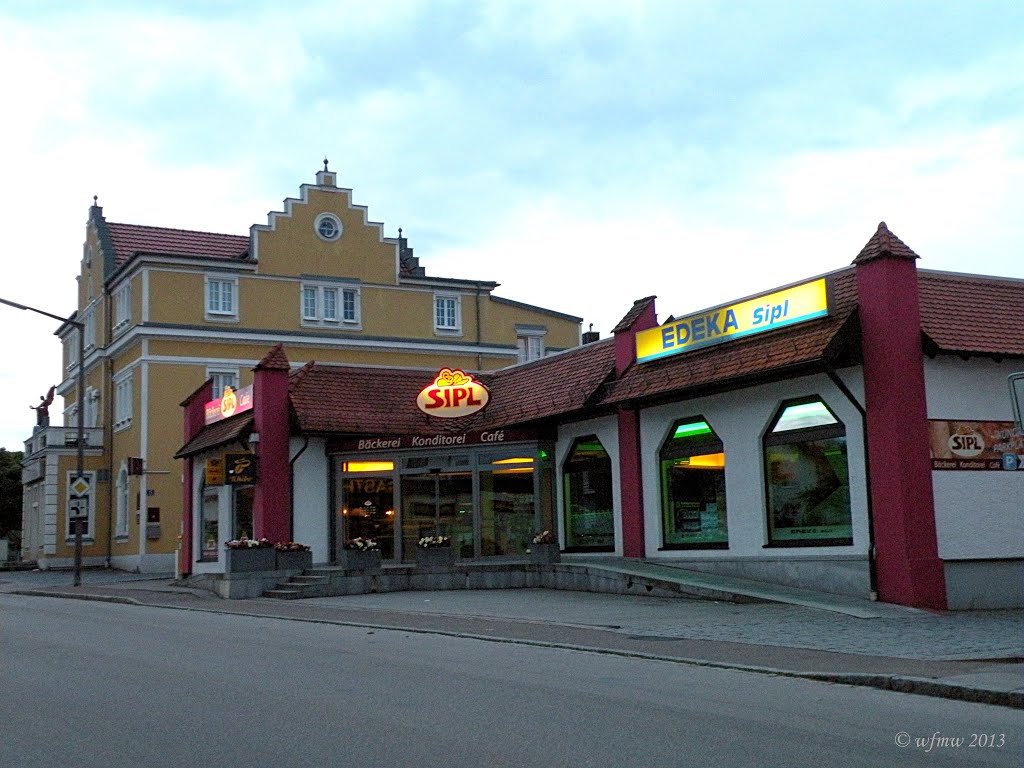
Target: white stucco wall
[
  {"x": 978, "y": 514},
  {"x": 311, "y": 502},
  {"x": 739, "y": 419},
  {"x": 607, "y": 431}
]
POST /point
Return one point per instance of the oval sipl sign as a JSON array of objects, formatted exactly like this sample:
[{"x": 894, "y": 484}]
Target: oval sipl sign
[{"x": 452, "y": 394}]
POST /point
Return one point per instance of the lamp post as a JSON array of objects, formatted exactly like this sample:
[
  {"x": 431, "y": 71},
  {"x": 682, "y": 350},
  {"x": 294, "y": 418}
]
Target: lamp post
[{"x": 80, "y": 441}]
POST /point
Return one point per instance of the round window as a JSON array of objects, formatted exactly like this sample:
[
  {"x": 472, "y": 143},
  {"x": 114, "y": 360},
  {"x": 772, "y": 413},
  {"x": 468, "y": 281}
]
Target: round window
[{"x": 328, "y": 227}]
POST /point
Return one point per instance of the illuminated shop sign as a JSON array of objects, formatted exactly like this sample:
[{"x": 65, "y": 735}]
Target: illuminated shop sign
[
  {"x": 404, "y": 442},
  {"x": 453, "y": 393},
  {"x": 232, "y": 402},
  {"x": 714, "y": 326},
  {"x": 976, "y": 445}
]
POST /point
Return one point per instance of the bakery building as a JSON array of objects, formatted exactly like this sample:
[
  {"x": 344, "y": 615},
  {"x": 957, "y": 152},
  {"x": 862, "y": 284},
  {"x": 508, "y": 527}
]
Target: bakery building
[{"x": 852, "y": 432}]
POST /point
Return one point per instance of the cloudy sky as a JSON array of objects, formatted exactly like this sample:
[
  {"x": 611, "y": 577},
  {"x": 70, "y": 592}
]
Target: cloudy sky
[{"x": 581, "y": 153}]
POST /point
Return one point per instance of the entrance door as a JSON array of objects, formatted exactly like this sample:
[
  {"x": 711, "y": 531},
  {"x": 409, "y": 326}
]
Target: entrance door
[
  {"x": 438, "y": 504},
  {"x": 368, "y": 510}
]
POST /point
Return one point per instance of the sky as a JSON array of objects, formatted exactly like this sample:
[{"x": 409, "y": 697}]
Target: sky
[{"x": 583, "y": 154}]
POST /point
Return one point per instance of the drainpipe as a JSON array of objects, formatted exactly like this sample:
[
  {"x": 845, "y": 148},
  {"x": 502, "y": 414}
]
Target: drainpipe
[
  {"x": 872, "y": 571},
  {"x": 479, "y": 357},
  {"x": 291, "y": 490}
]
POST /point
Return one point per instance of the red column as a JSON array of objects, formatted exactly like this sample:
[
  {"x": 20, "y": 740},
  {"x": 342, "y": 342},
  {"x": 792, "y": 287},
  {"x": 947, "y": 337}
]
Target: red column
[
  {"x": 272, "y": 514},
  {"x": 631, "y": 494},
  {"x": 908, "y": 566},
  {"x": 193, "y": 422}
]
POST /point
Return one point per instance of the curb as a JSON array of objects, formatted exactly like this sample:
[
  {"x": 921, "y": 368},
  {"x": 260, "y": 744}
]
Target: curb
[{"x": 912, "y": 685}]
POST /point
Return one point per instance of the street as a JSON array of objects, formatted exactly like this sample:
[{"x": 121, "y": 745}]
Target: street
[{"x": 99, "y": 684}]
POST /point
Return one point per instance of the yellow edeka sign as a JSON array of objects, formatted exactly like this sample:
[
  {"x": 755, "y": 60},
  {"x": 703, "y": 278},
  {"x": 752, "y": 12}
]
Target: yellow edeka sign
[{"x": 714, "y": 326}]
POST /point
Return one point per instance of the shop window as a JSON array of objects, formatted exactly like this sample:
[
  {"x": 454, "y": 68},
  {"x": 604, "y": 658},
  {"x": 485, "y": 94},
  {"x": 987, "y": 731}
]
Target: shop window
[
  {"x": 587, "y": 497},
  {"x": 368, "y": 504},
  {"x": 807, "y": 477},
  {"x": 692, "y": 469},
  {"x": 241, "y": 513},
  {"x": 209, "y": 525},
  {"x": 507, "y": 504}
]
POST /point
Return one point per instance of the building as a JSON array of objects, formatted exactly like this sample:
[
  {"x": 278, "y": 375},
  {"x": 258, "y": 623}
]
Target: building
[
  {"x": 165, "y": 310},
  {"x": 851, "y": 433}
]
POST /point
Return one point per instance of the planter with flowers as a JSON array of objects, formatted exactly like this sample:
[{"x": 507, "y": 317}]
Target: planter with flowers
[
  {"x": 544, "y": 548},
  {"x": 292, "y": 556},
  {"x": 361, "y": 554},
  {"x": 247, "y": 555},
  {"x": 435, "y": 552}
]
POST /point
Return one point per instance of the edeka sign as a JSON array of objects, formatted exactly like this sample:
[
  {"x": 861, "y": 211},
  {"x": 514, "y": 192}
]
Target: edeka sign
[
  {"x": 714, "y": 326},
  {"x": 232, "y": 402},
  {"x": 452, "y": 393}
]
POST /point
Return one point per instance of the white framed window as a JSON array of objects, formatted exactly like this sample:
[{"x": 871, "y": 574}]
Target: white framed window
[
  {"x": 530, "y": 340},
  {"x": 71, "y": 345},
  {"x": 447, "y": 313},
  {"x": 121, "y": 519},
  {"x": 123, "y": 400},
  {"x": 330, "y": 305},
  {"x": 221, "y": 298},
  {"x": 122, "y": 307},
  {"x": 222, "y": 378},
  {"x": 89, "y": 320}
]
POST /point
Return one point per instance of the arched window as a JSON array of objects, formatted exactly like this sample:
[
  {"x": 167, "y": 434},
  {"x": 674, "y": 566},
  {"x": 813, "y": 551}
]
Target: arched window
[
  {"x": 121, "y": 525},
  {"x": 587, "y": 497},
  {"x": 807, "y": 477},
  {"x": 692, "y": 465}
]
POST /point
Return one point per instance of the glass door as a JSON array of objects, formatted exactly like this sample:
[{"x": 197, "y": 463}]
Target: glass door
[
  {"x": 368, "y": 504},
  {"x": 438, "y": 504}
]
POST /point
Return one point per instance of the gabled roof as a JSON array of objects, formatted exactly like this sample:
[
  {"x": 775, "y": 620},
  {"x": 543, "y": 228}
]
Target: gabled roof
[
  {"x": 972, "y": 314},
  {"x": 236, "y": 429},
  {"x": 353, "y": 400},
  {"x": 884, "y": 244},
  {"x": 132, "y": 239}
]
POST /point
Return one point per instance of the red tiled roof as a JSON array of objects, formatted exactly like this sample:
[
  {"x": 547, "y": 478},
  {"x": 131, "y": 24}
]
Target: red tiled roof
[
  {"x": 220, "y": 433},
  {"x": 130, "y": 239},
  {"x": 884, "y": 243},
  {"x": 274, "y": 360},
  {"x": 341, "y": 399},
  {"x": 765, "y": 354},
  {"x": 972, "y": 313}
]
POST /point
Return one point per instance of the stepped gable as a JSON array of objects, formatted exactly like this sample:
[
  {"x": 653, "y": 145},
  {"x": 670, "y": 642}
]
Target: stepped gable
[
  {"x": 130, "y": 240},
  {"x": 972, "y": 314},
  {"x": 765, "y": 355}
]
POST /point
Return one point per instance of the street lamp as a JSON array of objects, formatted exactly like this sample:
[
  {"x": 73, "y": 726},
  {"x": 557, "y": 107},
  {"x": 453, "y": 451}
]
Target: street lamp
[{"x": 80, "y": 466}]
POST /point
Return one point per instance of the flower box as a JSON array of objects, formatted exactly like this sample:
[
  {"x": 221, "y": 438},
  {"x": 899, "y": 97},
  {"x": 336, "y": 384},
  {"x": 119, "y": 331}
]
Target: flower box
[
  {"x": 435, "y": 557},
  {"x": 360, "y": 559},
  {"x": 294, "y": 560},
  {"x": 545, "y": 553},
  {"x": 249, "y": 559}
]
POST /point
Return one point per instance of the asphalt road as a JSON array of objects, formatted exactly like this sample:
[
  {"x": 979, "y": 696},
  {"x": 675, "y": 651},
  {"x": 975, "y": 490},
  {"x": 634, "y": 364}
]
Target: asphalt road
[{"x": 98, "y": 684}]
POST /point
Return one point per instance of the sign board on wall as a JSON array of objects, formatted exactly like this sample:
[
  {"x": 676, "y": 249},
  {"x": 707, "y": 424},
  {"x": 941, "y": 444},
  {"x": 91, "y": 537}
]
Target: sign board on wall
[
  {"x": 975, "y": 445},
  {"x": 733, "y": 321},
  {"x": 215, "y": 471},
  {"x": 231, "y": 403},
  {"x": 240, "y": 468},
  {"x": 404, "y": 442}
]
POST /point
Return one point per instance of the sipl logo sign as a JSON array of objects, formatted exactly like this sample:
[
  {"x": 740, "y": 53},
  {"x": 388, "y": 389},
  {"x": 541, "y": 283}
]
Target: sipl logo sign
[{"x": 453, "y": 393}]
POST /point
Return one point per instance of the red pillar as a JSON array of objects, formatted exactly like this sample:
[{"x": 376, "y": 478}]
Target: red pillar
[
  {"x": 272, "y": 513},
  {"x": 193, "y": 423},
  {"x": 631, "y": 496},
  {"x": 906, "y": 544}
]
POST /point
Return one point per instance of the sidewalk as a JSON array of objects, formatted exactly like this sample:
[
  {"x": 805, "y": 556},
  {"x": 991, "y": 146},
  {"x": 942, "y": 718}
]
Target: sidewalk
[{"x": 972, "y": 656}]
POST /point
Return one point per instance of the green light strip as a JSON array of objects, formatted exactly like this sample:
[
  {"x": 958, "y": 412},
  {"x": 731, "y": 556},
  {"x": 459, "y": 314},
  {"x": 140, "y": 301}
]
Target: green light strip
[{"x": 692, "y": 429}]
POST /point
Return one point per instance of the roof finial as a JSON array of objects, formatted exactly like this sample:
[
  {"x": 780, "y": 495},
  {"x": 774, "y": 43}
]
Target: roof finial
[
  {"x": 399, "y": 233},
  {"x": 325, "y": 162},
  {"x": 95, "y": 199}
]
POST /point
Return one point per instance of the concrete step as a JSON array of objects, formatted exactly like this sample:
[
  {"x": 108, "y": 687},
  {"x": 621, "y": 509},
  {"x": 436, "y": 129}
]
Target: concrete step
[
  {"x": 284, "y": 594},
  {"x": 308, "y": 580}
]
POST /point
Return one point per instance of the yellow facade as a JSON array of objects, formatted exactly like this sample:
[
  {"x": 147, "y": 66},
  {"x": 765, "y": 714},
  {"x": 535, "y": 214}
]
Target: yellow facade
[{"x": 168, "y": 309}]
